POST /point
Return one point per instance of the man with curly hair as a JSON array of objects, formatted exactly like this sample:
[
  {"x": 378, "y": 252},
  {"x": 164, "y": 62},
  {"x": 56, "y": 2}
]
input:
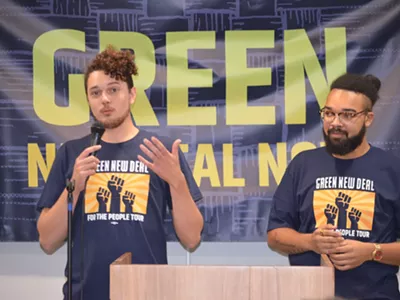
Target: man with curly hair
[{"x": 124, "y": 191}]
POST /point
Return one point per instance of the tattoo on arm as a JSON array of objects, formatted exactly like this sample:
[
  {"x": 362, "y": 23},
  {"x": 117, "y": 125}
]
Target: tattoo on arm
[{"x": 290, "y": 248}]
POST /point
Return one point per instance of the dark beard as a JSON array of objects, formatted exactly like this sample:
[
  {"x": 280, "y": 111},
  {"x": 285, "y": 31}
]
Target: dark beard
[{"x": 344, "y": 145}]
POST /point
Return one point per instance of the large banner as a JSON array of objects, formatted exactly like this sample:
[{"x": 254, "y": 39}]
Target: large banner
[{"x": 241, "y": 83}]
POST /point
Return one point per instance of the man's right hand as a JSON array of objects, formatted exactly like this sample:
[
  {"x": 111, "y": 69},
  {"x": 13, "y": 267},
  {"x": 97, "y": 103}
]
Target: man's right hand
[
  {"x": 84, "y": 167},
  {"x": 325, "y": 239}
]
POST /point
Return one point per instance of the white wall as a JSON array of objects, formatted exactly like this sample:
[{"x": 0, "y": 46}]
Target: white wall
[{"x": 27, "y": 273}]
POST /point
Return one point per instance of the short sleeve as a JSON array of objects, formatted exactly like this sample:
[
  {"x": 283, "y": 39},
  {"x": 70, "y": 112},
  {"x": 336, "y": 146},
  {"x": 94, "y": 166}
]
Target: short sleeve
[
  {"x": 187, "y": 172},
  {"x": 56, "y": 181},
  {"x": 284, "y": 210},
  {"x": 397, "y": 215}
]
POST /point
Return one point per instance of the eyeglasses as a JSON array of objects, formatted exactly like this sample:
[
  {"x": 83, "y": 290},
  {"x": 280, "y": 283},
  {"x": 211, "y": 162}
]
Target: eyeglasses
[{"x": 344, "y": 116}]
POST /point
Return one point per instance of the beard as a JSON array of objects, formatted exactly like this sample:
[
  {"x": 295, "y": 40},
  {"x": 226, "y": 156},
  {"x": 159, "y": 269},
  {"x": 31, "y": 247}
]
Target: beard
[
  {"x": 344, "y": 145},
  {"x": 113, "y": 123}
]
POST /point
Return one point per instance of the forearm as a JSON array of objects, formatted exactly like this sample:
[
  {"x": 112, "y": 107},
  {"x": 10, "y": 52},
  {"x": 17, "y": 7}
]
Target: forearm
[
  {"x": 187, "y": 219},
  {"x": 53, "y": 224},
  {"x": 289, "y": 241}
]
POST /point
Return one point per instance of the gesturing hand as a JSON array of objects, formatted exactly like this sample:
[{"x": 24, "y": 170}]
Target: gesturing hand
[{"x": 164, "y": 163}]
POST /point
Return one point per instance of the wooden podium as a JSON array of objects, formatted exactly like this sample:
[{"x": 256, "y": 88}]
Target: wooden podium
[{"x": 175, "y": 282}]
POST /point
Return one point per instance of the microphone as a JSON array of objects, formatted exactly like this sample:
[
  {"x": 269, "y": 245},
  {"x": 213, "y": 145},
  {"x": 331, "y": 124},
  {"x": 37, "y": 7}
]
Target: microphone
[{"x": 97, "y": 131}]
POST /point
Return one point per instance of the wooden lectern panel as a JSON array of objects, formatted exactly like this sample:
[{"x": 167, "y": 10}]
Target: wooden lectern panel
[
  {"x": 263, "y": 283},
  {"x": 305, "y": 283},
  {"x": 169, "y": 282},
  {"x": 163, "y": 282},
  {"x": 291, "y": 283}
]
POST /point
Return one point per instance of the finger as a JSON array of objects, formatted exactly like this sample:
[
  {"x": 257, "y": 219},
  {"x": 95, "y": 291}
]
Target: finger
[
  {"x": 147, "y": 152},
  {"x": 339, "y": 257},
  {"x": 175, "y": 148},
  {"x": 87, "y": 173},
  {"x": 329, "y": 231},
  {"x": 87, "y": 160},
  {"x": 325, "y": 250},
  {"x": 343, "y": 263},
  {"x": 85, "y": 167},
  {"x": 328, "y": 248},
  {"x": 89, "y": 166},
  {"x": 328, "y": 227},
  {"x": 342, "y": 248},
  {"x": 146, "y": 162},
  {"x": 160, "y": 146},
  {"x": 88, "y": 150},
  {"x": 152, "y": 147},
  {"x": 343, "y": 266},
  {"x": 331, "y": 240}
]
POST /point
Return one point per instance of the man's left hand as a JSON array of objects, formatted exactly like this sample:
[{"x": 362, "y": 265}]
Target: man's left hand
[
  {"x": 164, "y": 163},
  {"x": 351, "y": 254}
]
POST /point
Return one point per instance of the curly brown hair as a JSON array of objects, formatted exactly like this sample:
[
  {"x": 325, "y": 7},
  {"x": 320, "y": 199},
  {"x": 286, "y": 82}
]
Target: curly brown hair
[{"x": 119, "y": 64}]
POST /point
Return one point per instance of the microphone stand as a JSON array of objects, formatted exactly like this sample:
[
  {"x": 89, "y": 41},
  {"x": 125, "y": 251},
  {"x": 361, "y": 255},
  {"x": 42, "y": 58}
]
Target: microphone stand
[{"x": 70, "y": 189}]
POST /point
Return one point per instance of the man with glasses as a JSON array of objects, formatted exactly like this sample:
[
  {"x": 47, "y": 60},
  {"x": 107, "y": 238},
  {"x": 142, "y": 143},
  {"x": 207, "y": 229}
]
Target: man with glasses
[{"x": 342, "y": 201}]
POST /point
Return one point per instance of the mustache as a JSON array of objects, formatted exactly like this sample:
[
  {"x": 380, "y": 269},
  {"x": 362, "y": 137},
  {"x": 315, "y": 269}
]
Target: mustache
[{"x": 336, "y": 130}]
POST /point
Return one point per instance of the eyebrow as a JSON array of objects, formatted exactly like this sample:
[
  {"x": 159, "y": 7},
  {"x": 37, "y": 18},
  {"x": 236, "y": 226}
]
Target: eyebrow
[
  {"x": 345, "y": 109},
  {"x": 110, "y": 83}
]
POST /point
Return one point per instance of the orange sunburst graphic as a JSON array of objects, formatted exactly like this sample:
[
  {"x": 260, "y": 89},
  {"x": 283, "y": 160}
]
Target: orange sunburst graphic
[
  {"x": 360, "y": 208},
  {"x": 131, "y": 190}
]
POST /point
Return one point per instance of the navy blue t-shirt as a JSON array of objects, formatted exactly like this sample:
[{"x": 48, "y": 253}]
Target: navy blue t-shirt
[
  {"x": 360, "y": 196},
  {"x": 125, "y": 205}
]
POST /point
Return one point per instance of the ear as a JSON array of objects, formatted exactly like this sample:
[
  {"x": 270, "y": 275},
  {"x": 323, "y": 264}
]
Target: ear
[
  {"x": 132, "y": 94},
  {"x": 369, "y": 119}
]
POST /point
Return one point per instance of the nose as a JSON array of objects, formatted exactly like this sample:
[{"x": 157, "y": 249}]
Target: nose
[
  {"x": 336, "y": 121},
  {"x": 104, "y": 99}
]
